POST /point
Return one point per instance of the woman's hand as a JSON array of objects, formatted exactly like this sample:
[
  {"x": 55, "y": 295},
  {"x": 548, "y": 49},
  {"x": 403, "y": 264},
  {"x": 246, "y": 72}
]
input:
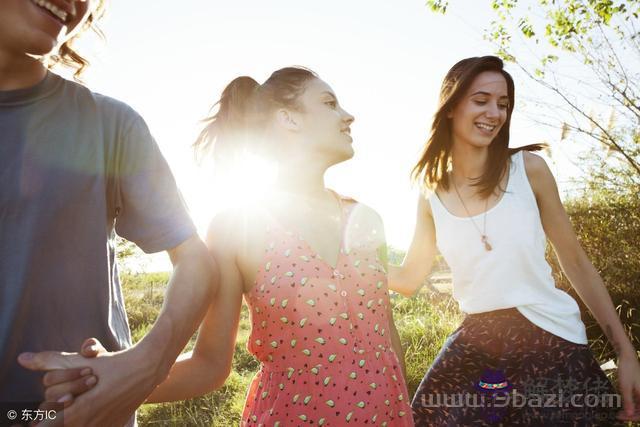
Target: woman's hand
[
  {"x": 407, "y": 279},
  {"x": 63, "y": 385},
  {"x": 629, "y": 385}
]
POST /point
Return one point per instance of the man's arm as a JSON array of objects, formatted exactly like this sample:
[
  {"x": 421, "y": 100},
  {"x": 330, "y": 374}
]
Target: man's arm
[
  {"x": 127, "y": 377},
  {"x": 192, "y": 285}
]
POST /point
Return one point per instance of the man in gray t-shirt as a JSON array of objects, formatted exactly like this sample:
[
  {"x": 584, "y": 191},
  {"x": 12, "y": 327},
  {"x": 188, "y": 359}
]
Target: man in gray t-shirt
[
  {"x": 69, "y": 177},
  {"x": 75, "y": 167}
]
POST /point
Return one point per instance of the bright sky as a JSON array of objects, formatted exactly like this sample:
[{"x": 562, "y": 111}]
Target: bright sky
[{"x": 384, "y": 59}]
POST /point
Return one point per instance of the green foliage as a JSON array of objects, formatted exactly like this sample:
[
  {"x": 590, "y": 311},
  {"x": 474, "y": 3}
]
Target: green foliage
[
  {"x": 566, "y": 21},
  {"x": 143, "y": 295},
  {"x": 438, "y": 6},
  {"x": 423, "y": 323},
  {"x": 124, "y": 249},
  {"x": 609, "y": 230},
  {"x": 127, "y": 254}
]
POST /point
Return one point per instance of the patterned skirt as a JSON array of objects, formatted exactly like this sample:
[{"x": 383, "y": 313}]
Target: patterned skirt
[{"x": 498, "y": 368}]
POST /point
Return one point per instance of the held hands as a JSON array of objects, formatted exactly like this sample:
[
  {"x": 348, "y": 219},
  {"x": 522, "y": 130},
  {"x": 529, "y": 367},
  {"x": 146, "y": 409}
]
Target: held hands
[
  {"x": 63, "y": 385},
  {"x": 126, "y": 379}
]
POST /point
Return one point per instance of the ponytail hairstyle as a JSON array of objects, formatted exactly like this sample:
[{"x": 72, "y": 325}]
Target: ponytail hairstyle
[
  {"x": 435, "y": 160},
  {"x": 240, "y": 116}
]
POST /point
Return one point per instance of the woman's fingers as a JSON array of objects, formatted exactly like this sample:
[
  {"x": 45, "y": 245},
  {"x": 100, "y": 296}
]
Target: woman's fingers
[
  {"x": 59, "y": 376},
  {"x": 60, "y": 392},
  {"x": 66, "y": 400}
]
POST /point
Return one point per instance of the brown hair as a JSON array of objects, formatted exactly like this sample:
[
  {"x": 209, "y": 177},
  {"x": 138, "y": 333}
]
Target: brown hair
[
  {"x": 69, "y": 57},
  {"x": 244, "y": 106},
  {"x": 431, "y": 169}
]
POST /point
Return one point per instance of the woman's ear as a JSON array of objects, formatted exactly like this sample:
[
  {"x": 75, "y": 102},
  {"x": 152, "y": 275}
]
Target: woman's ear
[
  {"x": 287, "y": 120},
  {"x": 450, "y": 114}
]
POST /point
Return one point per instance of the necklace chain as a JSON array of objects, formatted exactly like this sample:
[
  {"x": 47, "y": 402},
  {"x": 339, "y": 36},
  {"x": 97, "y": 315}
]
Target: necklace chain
[{"x": 483, "y": 234}]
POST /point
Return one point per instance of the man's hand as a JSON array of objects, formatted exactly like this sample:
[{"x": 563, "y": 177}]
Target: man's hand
[
  {"x": 126, "y": 378},
  {"x": 64, "y": 385}
]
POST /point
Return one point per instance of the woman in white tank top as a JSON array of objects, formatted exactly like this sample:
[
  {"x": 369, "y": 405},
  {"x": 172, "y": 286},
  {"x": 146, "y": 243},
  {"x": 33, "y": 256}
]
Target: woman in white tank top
[{"x": 489, "y": 210}]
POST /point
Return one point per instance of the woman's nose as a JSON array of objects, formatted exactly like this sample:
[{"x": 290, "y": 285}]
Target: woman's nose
[
  {"x": 348, "y": 118},
  {"x": 493, "y": 111}
]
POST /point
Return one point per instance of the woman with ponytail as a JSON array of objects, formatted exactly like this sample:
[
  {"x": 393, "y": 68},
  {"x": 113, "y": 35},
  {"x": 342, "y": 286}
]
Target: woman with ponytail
[
  {"x": 489, "y": 209},
  {"x": 310, "y": 264}
]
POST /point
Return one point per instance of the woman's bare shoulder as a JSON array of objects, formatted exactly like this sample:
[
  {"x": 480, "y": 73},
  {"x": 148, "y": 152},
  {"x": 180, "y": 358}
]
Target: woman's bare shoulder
[{"x": 234, "y": 227}]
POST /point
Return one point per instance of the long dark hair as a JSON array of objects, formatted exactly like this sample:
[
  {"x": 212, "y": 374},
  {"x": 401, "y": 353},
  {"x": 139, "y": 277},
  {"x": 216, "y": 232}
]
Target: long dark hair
[
  {"x": 431, "y": 169},
  {"x": 243, "y": 109}
]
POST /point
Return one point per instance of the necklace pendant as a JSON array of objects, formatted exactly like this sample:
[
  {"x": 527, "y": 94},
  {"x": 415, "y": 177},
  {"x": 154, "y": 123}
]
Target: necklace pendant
[{"x": 485, "y": 240}]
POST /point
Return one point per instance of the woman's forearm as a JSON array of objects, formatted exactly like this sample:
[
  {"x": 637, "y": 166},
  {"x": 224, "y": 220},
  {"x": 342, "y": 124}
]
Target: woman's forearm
[
  {"x": 589, "y": 285},
  {"x": 394, "y": 279},
  {"x": 401, "y": 282},
  {"x": 190, "y": 376}
]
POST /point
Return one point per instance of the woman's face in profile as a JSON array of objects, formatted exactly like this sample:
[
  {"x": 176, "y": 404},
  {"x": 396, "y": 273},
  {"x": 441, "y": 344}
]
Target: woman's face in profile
[{"x": 324, "y": 125}]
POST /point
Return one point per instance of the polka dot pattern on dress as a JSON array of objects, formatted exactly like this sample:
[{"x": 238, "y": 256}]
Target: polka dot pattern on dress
[{"x": 321, "y": 333}]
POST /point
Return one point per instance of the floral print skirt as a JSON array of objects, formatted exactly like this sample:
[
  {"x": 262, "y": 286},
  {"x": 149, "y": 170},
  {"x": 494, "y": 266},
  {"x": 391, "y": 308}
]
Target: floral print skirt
[{"x": 498, "y": 368}]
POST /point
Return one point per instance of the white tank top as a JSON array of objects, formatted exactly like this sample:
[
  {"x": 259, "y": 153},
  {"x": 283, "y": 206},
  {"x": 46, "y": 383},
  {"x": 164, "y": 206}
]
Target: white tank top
[{"x": 515, "y": 272}]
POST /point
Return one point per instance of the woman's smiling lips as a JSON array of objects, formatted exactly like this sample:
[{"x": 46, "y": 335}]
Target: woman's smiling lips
[{"x": 485, "y": 128}]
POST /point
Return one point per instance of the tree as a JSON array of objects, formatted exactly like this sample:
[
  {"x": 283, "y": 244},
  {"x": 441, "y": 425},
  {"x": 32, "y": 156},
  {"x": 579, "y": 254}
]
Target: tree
[
  {"x": 129, "y": 256},
  {"x": 586, "y": 55}
]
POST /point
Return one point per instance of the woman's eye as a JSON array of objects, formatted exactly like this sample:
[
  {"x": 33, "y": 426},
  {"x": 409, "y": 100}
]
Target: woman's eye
[
  {"x": 503, "y": 106},
  {"x": 332, "y": 104},
  {"x": 480, "y": 101}
]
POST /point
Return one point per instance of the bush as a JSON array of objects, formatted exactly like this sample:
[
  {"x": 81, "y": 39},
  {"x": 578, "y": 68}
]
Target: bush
[{"x": 609, "y": 231}]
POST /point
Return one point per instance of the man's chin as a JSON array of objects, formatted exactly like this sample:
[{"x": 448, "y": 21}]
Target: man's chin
[{"x": 44, "y": 45}]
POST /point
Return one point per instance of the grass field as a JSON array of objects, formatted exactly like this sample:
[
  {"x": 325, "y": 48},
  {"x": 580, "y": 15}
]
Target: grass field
[{"x": 423, "y": 323}]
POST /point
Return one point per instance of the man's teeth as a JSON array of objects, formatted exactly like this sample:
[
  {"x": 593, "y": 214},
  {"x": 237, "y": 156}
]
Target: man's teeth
[
  {"x": 59, "y": 13},
  {"x": 485, "y": 127}
]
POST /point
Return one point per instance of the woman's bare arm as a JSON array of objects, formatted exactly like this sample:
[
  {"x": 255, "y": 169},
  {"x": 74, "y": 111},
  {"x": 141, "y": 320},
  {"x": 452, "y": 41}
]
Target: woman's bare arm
[
  {"x": 418, "y": 262},
  {"x": 584, "y": 277}
]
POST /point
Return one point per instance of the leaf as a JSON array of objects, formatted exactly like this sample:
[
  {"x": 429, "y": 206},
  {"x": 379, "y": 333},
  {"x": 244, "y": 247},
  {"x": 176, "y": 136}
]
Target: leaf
[
  {"x": 438, "y": 6},
  {"x": 526, "y": 28}
]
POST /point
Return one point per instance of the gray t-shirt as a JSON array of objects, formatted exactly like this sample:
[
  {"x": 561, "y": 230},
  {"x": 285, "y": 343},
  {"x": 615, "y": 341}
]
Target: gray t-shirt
[{"x": 75, "y": 166}]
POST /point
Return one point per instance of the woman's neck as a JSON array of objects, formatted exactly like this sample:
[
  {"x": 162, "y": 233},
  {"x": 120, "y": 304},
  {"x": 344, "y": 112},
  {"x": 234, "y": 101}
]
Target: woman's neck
[
  {"x": 19, "y": 72},
  {"x": 468, "y": 163},
  {"x": 301, "y": 181}
]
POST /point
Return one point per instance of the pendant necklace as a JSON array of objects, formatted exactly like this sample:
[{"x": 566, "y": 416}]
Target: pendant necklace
[{"x": 483, "y": 234}]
